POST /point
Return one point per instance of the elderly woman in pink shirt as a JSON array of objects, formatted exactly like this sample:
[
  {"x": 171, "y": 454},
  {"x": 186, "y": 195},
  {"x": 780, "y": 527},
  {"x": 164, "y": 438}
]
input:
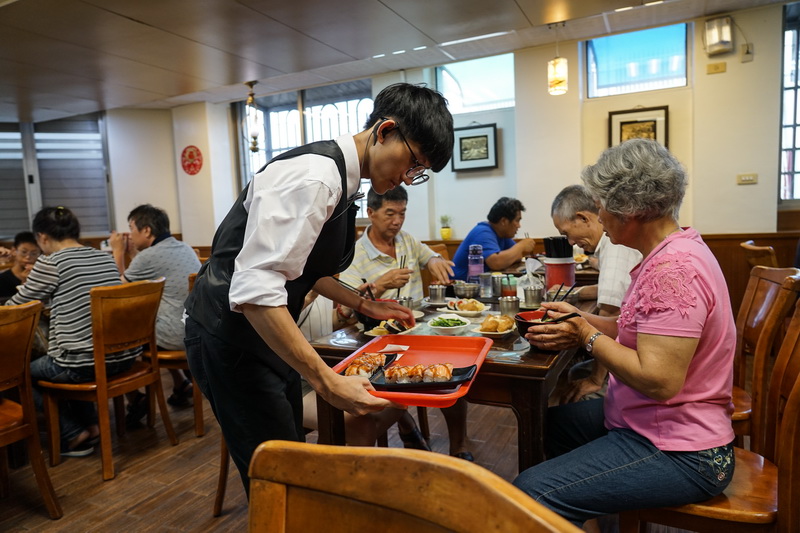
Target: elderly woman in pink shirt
[{"x": 662, "y": 436}]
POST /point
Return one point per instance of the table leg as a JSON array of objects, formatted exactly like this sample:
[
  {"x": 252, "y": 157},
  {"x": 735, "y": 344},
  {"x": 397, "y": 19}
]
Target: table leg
[
  {"x": 330, "y": 423},
  {"x": 529, "y": 403}
]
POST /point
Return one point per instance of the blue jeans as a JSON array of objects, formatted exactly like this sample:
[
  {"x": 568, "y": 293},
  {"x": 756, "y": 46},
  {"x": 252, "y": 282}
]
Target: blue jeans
[
  {"x": 617, "y": 470},
  {"x": 73, "y": 416}
]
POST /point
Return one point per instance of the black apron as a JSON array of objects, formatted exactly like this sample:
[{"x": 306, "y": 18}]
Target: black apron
[{"x": 208, "y": 302}]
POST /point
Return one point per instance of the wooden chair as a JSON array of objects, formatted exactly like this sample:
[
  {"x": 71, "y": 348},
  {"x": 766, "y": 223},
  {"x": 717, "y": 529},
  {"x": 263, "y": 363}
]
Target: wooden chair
[
  {"x": 18, "y": 420},
  {"x": 299, "y": 487},
  {"x": 765, "y": 488},
  {"x": 768, "y": 301},
  {"x": 759, "y": 255},
  {"x": 440, "y": 249},
  {"x": 176, "y": 360},
  {"x": 123, "y": 317}
]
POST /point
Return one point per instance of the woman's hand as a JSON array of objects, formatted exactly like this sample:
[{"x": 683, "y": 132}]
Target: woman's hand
[{"x": 559, "y": 335}]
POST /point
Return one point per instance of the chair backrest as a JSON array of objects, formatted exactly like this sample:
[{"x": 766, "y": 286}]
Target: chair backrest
[
  {"x": 298, "y": 487},
  {"x": 17, "y": 328},
  {"x": 440, "y": 249},
  {"x": 785, "y": 375},
  {"x": 789, "y": 461},
  {"x": 771, "y": 303},
  {"x": 762, "y": 293},
  {"x": 124, "y": 317},
  {"x": 759, "y": 255},
  {"x": 192, "y": 277}
]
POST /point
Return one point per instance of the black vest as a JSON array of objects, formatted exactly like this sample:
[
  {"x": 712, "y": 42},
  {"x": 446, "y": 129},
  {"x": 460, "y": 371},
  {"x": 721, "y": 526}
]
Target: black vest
[{"x": 332, "y": 253}]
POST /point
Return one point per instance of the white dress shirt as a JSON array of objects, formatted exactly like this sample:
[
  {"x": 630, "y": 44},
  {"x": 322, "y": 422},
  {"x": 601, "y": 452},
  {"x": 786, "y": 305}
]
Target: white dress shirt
[{"x": 287, "y": 206}]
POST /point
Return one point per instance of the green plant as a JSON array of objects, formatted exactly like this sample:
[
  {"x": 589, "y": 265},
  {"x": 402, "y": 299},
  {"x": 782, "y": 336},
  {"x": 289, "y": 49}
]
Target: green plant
[{"x": 445, "y": 220}]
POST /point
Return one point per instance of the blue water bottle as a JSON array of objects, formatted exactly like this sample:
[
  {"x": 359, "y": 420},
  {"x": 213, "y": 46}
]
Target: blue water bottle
[{"x": 474, "y": 263}]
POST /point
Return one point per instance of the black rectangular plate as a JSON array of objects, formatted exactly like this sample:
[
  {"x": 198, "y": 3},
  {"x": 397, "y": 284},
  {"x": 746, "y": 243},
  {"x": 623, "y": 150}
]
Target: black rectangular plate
[{"x": 461, "y": 375}]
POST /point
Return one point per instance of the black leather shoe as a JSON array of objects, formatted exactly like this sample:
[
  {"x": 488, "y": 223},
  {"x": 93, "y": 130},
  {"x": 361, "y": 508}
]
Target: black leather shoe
[{"x": 465, "y": 455}]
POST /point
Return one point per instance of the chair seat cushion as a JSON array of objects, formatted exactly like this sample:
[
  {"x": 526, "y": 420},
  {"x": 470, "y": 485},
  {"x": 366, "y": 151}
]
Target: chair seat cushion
[{"x": 751, "y": 497}]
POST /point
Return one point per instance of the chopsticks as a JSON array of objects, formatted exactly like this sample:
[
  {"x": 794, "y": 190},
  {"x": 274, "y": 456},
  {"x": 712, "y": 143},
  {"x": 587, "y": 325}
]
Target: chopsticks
[
  {"x": 564, "y": 298},
  {"x": 563, "y": 318},
  {"x": 402, "y": 265},
  {"x": 555, "y": 296},
  {"x": 369, "y": 290}
]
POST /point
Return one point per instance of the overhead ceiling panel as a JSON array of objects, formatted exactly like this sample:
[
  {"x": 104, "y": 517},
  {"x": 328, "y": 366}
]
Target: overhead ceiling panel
[
  {"x": 372, "y": 27},
  {"x": 232, "y": 27},
  {"x": 451, "y": 21}
]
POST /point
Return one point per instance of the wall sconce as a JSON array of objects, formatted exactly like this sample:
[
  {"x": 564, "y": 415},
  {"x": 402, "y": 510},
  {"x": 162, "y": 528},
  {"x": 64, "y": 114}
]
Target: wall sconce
[
  {"x": 719, "y": 36},
  {"x": 252, "y": 117},
  {"x": 557, "y": 68}
]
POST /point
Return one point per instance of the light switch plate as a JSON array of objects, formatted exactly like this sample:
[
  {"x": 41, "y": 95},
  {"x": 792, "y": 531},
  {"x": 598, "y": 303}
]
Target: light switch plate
[
  {"x": 716, "y": 68},
  {"x": 746, "y": 179}
]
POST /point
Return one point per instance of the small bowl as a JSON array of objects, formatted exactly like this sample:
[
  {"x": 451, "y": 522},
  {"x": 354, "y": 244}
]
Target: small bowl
[
  {"x": 466, "y": 290},
  {"x": 368, "y": 321},
  {"x": 454, "y": 330},
  {"x": 526, "y": 319}
]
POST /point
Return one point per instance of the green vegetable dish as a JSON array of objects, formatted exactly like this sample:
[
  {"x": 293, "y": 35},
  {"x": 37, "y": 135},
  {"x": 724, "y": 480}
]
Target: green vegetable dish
[{"x": 447, "y": 322}]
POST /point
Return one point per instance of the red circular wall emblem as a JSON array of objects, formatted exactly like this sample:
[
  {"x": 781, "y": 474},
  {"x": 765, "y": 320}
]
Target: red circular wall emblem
[{"x": 191, "y": 160}]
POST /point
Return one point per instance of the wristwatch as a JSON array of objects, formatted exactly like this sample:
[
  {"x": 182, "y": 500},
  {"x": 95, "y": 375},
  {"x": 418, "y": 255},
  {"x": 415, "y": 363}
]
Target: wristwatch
[{"x": 590, "y": 345}]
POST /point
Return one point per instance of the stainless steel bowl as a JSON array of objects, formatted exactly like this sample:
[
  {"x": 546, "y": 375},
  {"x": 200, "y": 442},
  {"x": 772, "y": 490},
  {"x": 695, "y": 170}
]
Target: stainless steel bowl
[{"x": 466, "y": 290}]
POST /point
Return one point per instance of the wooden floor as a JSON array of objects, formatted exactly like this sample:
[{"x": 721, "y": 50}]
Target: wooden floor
[{"x": 163, "y": 488}]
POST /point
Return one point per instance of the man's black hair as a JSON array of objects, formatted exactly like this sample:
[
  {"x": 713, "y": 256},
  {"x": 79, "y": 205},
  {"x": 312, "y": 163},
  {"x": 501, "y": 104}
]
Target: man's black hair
[
  {"x": 58, "y": 223},
  {"x": 375, "y": 200},
  {"x": 24, "y": 237},
  {"x": 147, "y": 216},
  {"x": 422, "y": 116},
  {"x": 505, "y": 208}
]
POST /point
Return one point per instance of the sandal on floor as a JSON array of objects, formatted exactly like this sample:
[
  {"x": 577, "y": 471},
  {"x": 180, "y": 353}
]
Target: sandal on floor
[
  {"x": 136, "y": 411},
  {"x": 414, "y": 439},
  {"x": 465, "y": 455},
  {"x": 181, "y": 394}
]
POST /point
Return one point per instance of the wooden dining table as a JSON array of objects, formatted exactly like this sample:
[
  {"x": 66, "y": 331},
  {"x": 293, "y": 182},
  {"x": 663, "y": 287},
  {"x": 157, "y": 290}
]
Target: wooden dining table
[{"x": 512, "y": 376}]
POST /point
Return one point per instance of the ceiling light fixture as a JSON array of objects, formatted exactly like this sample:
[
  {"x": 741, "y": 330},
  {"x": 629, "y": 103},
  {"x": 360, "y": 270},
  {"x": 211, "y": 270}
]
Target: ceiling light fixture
[
  {"x": 557, "y": 67},
  {"x": 252, "y": 117},
  {"x": 476, "y": 38}
]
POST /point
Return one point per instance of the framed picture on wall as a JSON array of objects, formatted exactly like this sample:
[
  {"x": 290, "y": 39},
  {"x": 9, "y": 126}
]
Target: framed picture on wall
[
  {"x": 639, "y": 123},
  {"x": 475, "y": 147}
]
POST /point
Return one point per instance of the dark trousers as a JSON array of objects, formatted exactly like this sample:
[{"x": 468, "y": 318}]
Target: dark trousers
[{"x": 252, "y": 402}]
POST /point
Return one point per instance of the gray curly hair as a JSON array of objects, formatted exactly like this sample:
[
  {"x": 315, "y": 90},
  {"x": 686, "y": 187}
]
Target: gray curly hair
[{"x": 637, "y": 179}]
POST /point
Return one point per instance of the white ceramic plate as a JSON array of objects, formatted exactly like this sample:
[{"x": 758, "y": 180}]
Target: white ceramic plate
[
  {"x": 417, "y": 314},
  {"x": 493, "y": 334}
]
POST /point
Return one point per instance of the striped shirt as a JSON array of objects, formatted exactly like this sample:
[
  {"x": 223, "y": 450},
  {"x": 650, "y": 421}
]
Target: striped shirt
[
  {"x": 63, "y": 279},
  {"x": 370, "y": 263}
]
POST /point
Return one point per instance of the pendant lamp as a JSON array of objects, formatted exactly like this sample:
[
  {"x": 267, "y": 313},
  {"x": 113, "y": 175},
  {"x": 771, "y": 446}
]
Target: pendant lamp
[{"x": 557, "y": 70}]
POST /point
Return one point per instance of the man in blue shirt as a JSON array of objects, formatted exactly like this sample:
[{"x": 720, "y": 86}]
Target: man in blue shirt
[{"x": 500, "y": 251}]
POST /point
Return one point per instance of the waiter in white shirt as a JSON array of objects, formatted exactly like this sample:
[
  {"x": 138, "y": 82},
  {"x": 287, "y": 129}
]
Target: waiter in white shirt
[{"x": 292, "y": 228}]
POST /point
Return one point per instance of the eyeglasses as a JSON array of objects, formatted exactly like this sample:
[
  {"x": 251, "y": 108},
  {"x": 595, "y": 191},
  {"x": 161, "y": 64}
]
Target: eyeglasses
[
  {"x": 417, "y": 172},
  {"x": 33, "y": 254}
]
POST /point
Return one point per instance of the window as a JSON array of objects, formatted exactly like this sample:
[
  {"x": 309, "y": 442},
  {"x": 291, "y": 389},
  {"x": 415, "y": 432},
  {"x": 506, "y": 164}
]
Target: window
[
  {"x": 644, "y": 60},
  {"x": 328, "y": 112},
  {"x": 59, "y": 162},
  {"x": 790, "y": 118},
  {"x": 478, "y": 84}
]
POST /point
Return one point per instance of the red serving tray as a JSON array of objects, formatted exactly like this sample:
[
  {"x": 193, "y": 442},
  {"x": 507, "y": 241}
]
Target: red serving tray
[{"x": 428, "y": 350}]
